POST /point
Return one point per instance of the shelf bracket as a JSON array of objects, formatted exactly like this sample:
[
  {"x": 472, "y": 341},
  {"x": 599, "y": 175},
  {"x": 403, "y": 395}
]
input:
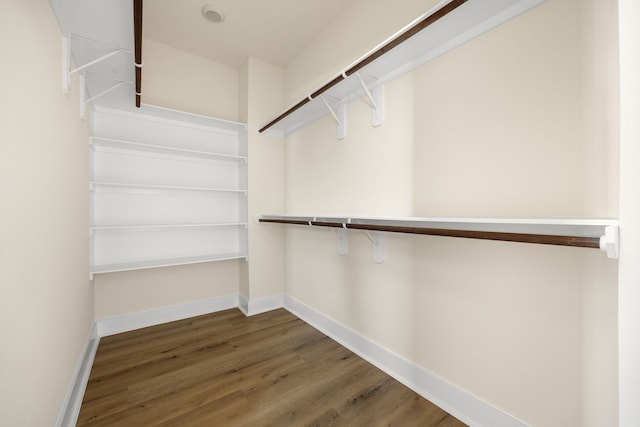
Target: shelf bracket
[
  {"x": 340, "y": 116},
  {"x": 343, "y": 242},
  {"x": 378, "y": 246},
  {"x": 66, "y": 61},
  {"x": 376, "y": 101},
  {"x": 83, "y": 93},
  {"x": 609, "y": 242}
]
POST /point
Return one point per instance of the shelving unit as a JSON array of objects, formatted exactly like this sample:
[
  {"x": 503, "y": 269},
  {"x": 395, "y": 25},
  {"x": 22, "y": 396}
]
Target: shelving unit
[
  {"x": 576, "y": 232},
  {"x": 102, "y": 43},
  {"x": 167, "y": 188},
  {"x": 159, "y": 149},
  {"x": 445, "y": 27},
  {"x": 96, "y": 185}
]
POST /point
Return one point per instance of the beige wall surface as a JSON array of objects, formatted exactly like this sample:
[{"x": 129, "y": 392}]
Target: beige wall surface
[
  {"x": 135, "y": 291},
  {"x": 362, "y": 26},
  {"x": 178, "y": 80},
  {"x": 261, "y": 91},
  {"x": 46, "y": 299},
  {"x": 183, "y": 81},
  {"x": 518, "y": 122},
  {"x": 629, "y": 283}
]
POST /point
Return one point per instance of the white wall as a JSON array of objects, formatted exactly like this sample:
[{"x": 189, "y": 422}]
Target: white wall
[
  {"x": 357, "y": 30},
  {"x": 181, "y": 81},
  {"x": 519, "y": 122},
  {"x": 261, "y": 92},
  {"x": 629, "y": 315},
  {"x": 46, "y": 300}
]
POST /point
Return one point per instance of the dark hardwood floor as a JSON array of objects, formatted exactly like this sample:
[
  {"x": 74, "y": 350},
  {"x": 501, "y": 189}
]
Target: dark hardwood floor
[{"x": 225, "y": 369}]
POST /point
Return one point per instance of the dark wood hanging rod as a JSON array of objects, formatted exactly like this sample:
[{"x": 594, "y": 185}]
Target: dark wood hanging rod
[
  {"x": 544, "y": 239},
  {"x": 401, "y": 38},
  {"x": 410, "y": 32},
  {"x": 137, "y": 34}
]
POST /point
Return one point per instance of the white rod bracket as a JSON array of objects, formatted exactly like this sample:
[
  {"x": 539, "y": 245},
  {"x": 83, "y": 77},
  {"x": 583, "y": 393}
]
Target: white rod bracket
[
  {"x": 66, "y": 59},
  {"x": 609, "y": 242},
  {"x": 83, "y": 96},
  {"x": 343, "y": 242},
  {"x": 341, "y": 130},
  {"x": 104, "y": 92},
  {"x": 367, "y": 92},
  {"x": 377, "y": 114},
  {"x": 66, "y": 63},
  {"x": 97, "y": 60},
  {"x": 83, "y": 93},
  {"x": 340, "y": 116},
  {"x": 376, "y": 101},
  {"x": 378, "y": 246}
]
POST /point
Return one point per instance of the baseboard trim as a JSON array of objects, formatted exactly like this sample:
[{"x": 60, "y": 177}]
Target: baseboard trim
[
  {"x": 130, "y": 322},
  {"x": 456, "y": 401},
  {"x": 243, "y": 304},
  {"x": 70, "y": 407},
  {"x": 260, "y": 305}
]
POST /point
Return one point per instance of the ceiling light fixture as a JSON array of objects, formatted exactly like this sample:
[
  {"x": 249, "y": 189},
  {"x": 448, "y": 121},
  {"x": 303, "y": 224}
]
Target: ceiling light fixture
[{"x": 210, "y": 13}]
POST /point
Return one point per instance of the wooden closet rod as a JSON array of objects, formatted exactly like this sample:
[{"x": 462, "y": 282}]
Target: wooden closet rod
[
  {"x": 543, "y": 239},
  {"x": 402, "y": 37},
  {"x": 137, "y": 34}
]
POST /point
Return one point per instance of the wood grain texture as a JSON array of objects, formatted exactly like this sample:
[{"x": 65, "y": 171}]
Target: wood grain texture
[
  {"x": 137, "y": 31},
  {"x": 225, "y": 369},
  {"x": 541, "y": 239},
  {"x": 396, "y": 41}
]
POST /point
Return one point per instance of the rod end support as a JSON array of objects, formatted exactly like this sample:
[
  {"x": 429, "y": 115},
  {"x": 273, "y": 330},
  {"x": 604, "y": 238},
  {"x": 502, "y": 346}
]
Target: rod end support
[{"x": 609, "y": 242}]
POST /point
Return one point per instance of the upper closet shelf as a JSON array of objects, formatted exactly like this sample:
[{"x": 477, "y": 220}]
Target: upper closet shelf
[
  {"x": 102, "y": 44},
  {"x": 154, "y": 113},
  {"x": 577, "y": 232},
  {"x": 446, "y": 26},
  {"x": 161, "y": 149}
]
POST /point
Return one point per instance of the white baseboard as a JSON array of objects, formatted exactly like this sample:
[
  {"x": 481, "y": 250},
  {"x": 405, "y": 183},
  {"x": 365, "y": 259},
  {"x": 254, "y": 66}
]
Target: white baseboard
[
  {"x": 243, "y": 304},
  {"x": 260, "y": 305},
  {"x": 456, "y": 401},
  {"x": 70, "y": 407},
  {"x": 129, "y": 322}
]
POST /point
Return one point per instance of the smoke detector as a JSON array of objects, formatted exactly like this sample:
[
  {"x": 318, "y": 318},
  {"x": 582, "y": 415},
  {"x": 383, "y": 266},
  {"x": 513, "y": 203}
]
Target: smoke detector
[{"x": 210, "y": 13}]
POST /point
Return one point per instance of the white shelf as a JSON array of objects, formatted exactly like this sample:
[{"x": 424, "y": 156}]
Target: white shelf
[
  {"x": 399, "y": 56},
  {"x": 165, "y": 226},
  {"x": 167, "y": 188},
  {"x": 161, "y": 149},
  {"x": 184, "y": 119},
  {"x": 169, "y": 262},
  {"x": 134, "y": 186},
  {"x": 578, "y": 232}
]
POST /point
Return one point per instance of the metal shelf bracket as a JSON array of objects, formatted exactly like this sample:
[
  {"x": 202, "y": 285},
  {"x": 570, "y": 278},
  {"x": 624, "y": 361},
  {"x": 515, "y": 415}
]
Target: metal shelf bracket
[
  {"x": 376, "y": 101},
  {"x": 343, "y": 242},
  {"x": 339, "y": 115},
  {"x": 83, "y": 93},
  {"x": 67, "y": 71},
  {"x": 66, "y": 61},
  {"x": 377, "y": 239}
]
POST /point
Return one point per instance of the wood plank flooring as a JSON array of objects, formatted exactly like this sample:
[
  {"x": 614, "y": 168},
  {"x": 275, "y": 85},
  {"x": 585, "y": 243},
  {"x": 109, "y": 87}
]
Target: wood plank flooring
[{"x": 225, "y": 369}]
